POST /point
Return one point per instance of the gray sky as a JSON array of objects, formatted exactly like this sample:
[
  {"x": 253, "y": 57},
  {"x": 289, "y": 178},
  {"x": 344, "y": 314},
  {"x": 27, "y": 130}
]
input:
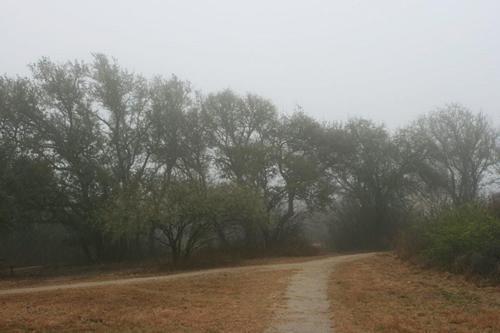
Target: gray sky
[{"x": 388, "y": 60}]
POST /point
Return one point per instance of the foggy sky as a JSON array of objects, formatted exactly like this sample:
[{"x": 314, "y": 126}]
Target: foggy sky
[{"x": 385, "y": 60}]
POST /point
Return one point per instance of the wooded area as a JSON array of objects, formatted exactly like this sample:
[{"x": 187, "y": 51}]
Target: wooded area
[{"x": 99, "y": 164}]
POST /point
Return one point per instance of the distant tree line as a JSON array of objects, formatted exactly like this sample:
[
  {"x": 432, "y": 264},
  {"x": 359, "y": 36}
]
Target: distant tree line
[{"x": 115, "y": 166}]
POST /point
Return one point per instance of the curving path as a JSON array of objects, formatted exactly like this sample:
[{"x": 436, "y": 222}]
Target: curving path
[{"x": 307, "y": 305}]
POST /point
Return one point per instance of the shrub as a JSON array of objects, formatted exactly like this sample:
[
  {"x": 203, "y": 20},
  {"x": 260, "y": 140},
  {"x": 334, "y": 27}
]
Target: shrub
[{"x": 464, "y": 240}]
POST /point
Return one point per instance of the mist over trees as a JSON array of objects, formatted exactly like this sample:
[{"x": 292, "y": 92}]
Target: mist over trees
[{"x": 101, "y": 164}]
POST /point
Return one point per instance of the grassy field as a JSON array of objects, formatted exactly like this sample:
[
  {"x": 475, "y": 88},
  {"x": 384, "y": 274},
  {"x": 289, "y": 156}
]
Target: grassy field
[
  {"x": 227, "y": 302},
  {"x": 376, "y": 294},
  {"x": 382, "y": 294},
  {"x": 77, "y": 274}
]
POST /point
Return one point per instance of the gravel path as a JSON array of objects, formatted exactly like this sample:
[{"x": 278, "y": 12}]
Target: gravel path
[{"x": 308, "y": 308}]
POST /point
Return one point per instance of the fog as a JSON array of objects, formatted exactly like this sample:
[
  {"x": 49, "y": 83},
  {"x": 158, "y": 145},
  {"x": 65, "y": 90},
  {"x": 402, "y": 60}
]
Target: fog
[{"x": 385, "y": 60}]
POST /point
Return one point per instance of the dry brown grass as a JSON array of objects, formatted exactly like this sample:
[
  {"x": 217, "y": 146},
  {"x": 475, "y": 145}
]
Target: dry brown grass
[
  {"x": 111, "y": 272},
  {"x": 383, "y": 294},
  {"x": 226, "y": 302}
]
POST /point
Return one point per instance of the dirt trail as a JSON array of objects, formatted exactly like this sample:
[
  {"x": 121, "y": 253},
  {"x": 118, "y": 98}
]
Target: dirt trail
[
  {"x": 307, "y": 304},
  {"x": 308, "y": 308},
  {"x": 136, "y": 280}
]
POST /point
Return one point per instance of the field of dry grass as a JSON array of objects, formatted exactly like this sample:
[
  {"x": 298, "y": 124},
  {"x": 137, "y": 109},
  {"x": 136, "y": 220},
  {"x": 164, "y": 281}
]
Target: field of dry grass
[
  {"x": 383, "y": 294},
  {"x": 226, "y": 302},
  {"x": 113, "y": 272}
]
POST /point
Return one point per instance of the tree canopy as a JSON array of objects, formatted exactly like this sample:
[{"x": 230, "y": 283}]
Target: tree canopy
[{"x": 127, "y": 164}]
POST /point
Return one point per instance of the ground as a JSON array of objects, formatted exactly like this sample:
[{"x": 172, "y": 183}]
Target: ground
[
  {"x": 307, "y": 305},
  {"x": 350, "y": 293},
  {"x": 225, "y": 302},
  {"x": 383, "y": 294},
  {"x": 289, "y": 296},
  {"x": 56, "y": 276}
]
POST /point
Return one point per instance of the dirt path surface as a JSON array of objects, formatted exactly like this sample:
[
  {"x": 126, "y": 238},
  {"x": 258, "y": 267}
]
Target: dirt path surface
[
  {"x": 136, "y": 280},
  {"x": 308, "y": 308}
]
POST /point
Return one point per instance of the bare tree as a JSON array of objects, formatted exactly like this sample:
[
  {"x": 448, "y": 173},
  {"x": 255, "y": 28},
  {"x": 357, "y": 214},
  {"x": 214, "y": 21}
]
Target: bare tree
[{"x": 457, "y": 150}]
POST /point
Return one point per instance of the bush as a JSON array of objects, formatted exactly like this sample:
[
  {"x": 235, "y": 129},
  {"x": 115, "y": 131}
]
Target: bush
[{"x": 464, "y": 240}]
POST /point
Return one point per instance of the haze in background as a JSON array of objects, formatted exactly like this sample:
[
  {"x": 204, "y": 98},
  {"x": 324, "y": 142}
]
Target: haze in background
[{"x": 385, "y": 60}]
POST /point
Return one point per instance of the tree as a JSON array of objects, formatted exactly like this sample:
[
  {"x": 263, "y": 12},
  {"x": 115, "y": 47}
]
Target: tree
[
  {"x": 20, "y": 207},
  {"x": 18, "y": 104},
  {"x": 120, "y": 162},
  {"x": 241, "y": 136},
  {"x": 180, "y": 215},
  {"x": 300, "y": 176},
  {"x": 457, "y": 151},
  {"x": 73, "y": 144},
  {"x": 370, "y": 174},
  {"x": 123, "y": 107},
  {"x": 28, "y": 187},
  {"x": 240, "y": 132},
  {"x": 178, "y": 183},
  {"x": 170, "y": 101},
  {"x": 121, "y": 102},
  {"x": 237, "y": 213},
  {"x": 298, "y": 160}
]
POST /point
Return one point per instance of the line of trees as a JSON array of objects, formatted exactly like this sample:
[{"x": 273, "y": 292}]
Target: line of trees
[{"x": 115, "y": 166}]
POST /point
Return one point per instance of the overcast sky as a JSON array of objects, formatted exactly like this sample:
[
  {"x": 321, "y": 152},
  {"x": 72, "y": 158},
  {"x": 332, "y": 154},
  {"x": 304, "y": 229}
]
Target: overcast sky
[{"x": 388, "y": 60}]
